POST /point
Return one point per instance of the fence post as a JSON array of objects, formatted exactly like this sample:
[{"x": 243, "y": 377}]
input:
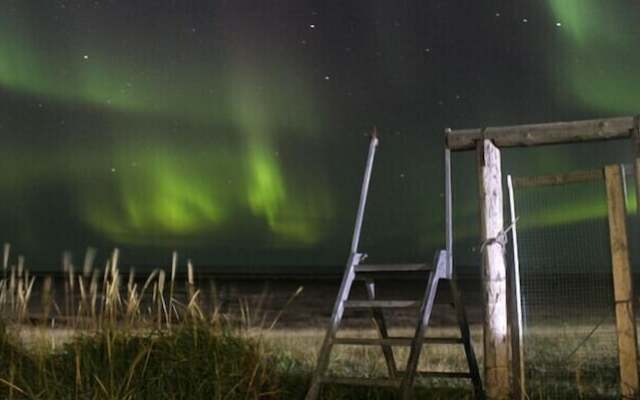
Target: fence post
[
  {"x": 515, "y": 306},
  {"x": 496, "y": 356},
  {"x": 622, "y": 284}
]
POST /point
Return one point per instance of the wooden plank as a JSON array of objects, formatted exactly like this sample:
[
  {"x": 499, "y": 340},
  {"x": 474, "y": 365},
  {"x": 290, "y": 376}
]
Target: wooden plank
[
  {"x": 384, "y": 276},
  {"x": 444, "y": 374},
  {"x": 390, "y": 341},
  {"x": 542, "y": 134},
  {"x": 515, "y": 306},
  {"x": 392, "y": 267},
  {"x": 380, "y": 382},
  {"x": 496, "y": 356},
  {"x": 395, "y": 341},
  {"x": 557, "y": 179},
  {"x": 381, "y": 304},
  {"x": 622, "y": 284}
]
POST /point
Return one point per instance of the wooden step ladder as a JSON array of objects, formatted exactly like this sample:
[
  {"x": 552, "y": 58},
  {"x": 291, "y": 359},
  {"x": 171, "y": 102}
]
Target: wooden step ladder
[{"x": 441, "y": 270}]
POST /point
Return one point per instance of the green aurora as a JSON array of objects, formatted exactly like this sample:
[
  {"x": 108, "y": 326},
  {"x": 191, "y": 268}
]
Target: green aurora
[
  {"x": 594, "y": 60},
  {"x": 172, "y": 190},
  {"x": 193, "y": 144}
]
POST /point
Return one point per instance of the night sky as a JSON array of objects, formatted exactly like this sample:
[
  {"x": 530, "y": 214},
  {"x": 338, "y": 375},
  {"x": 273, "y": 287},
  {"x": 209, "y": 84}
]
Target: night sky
[{"x": 235, "y": 131}]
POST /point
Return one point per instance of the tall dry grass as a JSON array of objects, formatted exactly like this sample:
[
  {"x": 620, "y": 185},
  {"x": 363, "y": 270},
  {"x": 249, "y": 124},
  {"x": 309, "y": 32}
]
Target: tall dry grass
[
  {"x": 130, "y": 338},
  {"x": 96, "y": 298},
  {"x": 124, "y": 341}
]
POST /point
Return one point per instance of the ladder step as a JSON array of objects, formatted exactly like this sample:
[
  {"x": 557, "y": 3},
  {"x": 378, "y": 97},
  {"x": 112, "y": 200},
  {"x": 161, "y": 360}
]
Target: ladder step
[
  {"x": 443, "y": 340},
  {"x": 442, "y": 374},
  {"x": 392, "y": 267},
  {"x": 381, "y": 382},
  {"x": 381, "y": 304},
  {"x": 391, "y": 341},
  {"x": 395, "y": 341}
]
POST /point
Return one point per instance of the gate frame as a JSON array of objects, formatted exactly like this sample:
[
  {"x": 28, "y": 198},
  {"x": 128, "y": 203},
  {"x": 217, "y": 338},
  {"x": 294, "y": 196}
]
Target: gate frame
[
  {"x": 612, "y": 178},
  {"x": 487, "y": 142}
]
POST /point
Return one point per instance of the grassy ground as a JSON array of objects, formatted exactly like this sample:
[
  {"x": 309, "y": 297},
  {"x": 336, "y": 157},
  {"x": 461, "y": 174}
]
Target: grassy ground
[
  {"x": 114, "y": 338},
  {"x": 193, "y": 360},
  {"x": 196, "y": 359},
  {"x": 117, "y": 339}
]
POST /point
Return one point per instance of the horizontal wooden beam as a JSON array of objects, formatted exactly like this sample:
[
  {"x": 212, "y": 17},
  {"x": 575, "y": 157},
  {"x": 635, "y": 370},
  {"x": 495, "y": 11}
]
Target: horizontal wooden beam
[
  {"x": 543, "y": 134},
  {"x": 558, "y": 179}
]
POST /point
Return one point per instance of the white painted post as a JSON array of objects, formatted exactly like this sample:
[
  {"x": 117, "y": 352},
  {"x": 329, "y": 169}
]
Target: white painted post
[
  {"x": 496, "y": 355},
  {"x": 515, "y": 304}
]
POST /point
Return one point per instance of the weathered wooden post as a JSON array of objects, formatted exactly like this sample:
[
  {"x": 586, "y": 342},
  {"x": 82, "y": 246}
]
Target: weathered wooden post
[
  {"x": 486, "y": 142},
  {"x": 622, "y": 284},
  {"x": 496, "y": 354}
]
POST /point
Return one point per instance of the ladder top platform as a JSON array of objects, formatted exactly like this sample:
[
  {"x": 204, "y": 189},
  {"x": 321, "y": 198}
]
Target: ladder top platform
[{"x": 393, "y": 267}]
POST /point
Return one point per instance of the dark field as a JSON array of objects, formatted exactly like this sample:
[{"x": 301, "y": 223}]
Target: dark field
[
  {"x": 270, "y": 295},
  {"x": 546, "y": 297},
  {"x": 569, "y": 337}
]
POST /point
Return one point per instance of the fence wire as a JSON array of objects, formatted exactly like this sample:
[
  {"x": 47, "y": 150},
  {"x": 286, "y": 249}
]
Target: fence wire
[{"x": 569, "y": 335}]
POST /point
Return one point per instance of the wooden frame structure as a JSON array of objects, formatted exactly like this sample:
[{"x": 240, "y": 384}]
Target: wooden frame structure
[
  {"x": 399, "y": 377},
  {"x": 487, "y": 143},
  {"x": 612, "y": 177}
]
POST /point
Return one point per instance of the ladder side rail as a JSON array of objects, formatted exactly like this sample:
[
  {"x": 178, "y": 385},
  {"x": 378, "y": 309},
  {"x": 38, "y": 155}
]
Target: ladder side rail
[
  {"x": 424, "y": 316},
  {"x": 448, "y": 212},
  {"x": 465, "y": 333},
  {"x": 363, "y": 192},
  {"x": 383, "y": 332},
  {"x": 347, "y": 280},
  {"x": 336, "y": 317}
]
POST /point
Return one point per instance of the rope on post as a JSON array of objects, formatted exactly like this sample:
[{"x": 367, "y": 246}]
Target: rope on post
[{"x": 500, "y": 238}]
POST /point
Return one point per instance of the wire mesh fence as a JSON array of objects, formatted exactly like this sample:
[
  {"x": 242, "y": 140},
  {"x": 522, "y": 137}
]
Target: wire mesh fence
[{"x": 569, "y": 335}]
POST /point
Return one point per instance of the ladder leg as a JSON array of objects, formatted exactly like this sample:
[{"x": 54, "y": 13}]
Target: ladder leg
[
  {"x": 414, "y": 356},
  {"x": 466, "y": 338},
  {"x": 378, "y": 320},
  {"x": 336, "y": 317}
]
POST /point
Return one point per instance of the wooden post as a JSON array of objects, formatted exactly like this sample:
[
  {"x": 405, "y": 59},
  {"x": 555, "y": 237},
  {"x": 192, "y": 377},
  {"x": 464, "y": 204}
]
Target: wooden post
[
  {"x": 622, "y": 284},
  {"x": 496, "y": 356}
]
